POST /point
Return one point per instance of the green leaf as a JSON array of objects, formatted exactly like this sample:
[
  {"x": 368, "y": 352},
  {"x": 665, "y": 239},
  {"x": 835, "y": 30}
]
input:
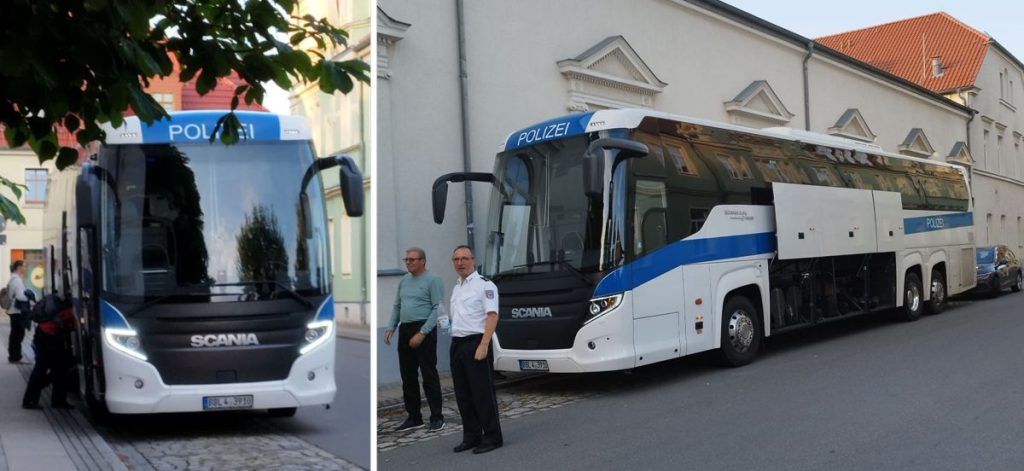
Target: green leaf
[{"x": 10, "y": 210}]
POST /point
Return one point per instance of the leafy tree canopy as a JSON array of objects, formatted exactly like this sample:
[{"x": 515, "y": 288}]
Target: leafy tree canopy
[{"x": 80, "y": 63}]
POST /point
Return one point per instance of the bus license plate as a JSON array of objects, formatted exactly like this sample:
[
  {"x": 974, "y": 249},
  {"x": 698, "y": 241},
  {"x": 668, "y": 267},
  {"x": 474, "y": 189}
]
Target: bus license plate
[
  {"x": 227, "y": 402},
  {"x": 533, "y": 365}
]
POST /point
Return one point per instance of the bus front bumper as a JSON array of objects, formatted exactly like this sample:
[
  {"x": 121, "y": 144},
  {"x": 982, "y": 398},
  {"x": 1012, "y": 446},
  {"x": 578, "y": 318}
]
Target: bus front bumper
[
  {"x": 124, "y": 374},
  {"x": 606, "y": 344}
]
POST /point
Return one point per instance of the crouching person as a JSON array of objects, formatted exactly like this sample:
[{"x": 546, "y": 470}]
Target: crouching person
[{"x": 54, "y": 320}]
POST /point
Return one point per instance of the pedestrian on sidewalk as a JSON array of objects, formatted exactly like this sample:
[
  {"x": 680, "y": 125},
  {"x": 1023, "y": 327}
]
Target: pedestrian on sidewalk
[
  {"x": 18, "y": 311},
  {"x": 414, "y": 316},
  {"x": 53, "y": 357},
  {"x": 474, "y": 313}
]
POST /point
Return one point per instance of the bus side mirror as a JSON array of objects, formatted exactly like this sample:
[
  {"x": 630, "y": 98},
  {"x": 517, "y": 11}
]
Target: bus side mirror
[
  {"x": 351, "y": 186},
  {"x": 351, "y": 181},
  {"x": 439, "y": 192},
  {"x": 593, "y": 160}
]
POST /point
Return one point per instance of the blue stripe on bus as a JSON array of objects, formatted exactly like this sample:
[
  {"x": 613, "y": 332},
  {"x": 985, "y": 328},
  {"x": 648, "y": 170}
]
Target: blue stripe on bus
[
  {"x": 326, "y": 311},
  {"x": 684, "y": 252},
  {"x": 937, "y": 223},
  {"x": 198, "y": 126},
  {"x": 557, "y": 128},
  {"x": 111, "y": 317}
]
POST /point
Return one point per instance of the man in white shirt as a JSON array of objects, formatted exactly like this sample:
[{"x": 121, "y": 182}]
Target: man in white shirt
[
  {"x": 19, "y": 320},
  {"x": 474, "y": 315}
]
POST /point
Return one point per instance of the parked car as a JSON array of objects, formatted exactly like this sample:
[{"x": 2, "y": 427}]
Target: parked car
[{"x": 998, "y": 269}]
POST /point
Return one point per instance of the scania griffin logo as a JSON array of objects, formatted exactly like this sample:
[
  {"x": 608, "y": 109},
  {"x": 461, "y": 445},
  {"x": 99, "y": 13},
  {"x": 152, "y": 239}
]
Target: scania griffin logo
[
  {"x": 524, "y": 312},
  {"x": 224, "y": 340}
]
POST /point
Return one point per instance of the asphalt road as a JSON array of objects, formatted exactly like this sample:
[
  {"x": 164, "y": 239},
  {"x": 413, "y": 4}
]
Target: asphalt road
[
  {"x": 942, "y": 393},
  {"x": 344, "y": 429}
]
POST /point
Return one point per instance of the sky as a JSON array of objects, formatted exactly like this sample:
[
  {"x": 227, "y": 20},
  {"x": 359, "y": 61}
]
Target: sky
[{"x": 1003, "y": 20}]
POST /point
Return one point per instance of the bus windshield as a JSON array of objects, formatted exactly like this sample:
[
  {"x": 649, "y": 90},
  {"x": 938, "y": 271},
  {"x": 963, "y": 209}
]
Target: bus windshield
[
  {"x": 540, "y": 218},
  {"x": 194, "y": 219}
]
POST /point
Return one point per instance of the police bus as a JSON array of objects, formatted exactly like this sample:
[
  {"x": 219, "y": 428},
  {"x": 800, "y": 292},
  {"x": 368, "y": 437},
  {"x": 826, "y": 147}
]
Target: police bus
[
  {"x": 199, "y": 273},
  {"x": 620, "y": 238}
]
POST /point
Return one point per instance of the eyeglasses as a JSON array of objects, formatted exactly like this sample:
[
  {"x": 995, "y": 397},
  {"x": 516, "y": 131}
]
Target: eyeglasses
[
  {"x": 461, "y": 259},
  {"x": 407, "y": 260}
]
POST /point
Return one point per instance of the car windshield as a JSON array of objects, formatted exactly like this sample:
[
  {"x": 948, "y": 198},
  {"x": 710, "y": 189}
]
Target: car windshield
[{"x": 985, "y": 255}]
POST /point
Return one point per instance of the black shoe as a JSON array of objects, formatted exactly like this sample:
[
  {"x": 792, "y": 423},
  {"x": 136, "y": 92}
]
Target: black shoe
[
  {"x": 436, "y": 425},
  {"x": 486, "y": 447},
  {"x": 31, "y": 405},
  {"x": 461, "y": 447},
  {"x": 409, "y": 424}
]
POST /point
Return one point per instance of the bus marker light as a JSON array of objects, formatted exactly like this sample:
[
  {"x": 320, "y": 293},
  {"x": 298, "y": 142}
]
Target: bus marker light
[
  {"x": 311, "y": 376},
  {"x": 139, "y": 384},
  {"x": 591, "y": 345},
  {"x": 699, "y": 301}
]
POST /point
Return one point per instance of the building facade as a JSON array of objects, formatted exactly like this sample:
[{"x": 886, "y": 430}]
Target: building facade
[
  {"x": 341, "y": 125},
  {"x": 525, "y": 62},
  {"x": 970, "y": 67}
]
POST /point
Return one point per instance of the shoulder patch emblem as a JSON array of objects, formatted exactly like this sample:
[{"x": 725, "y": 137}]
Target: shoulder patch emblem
[{"x": 489, "y": 293}]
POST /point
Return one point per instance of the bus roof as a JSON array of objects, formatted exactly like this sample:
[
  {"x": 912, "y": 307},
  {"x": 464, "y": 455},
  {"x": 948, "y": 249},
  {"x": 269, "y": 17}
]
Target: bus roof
[
  {"x": 582, "y": 123},
  {"x": 198, "y": 126}
]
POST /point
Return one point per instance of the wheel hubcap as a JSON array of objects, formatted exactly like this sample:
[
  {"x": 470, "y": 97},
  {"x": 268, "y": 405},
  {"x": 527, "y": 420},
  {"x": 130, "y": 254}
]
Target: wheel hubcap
[
  {"x": 741, "y": 331},
  {"x": 938, "y": 292},
  {"x": 913, "y": 301},
  {"x": 1020, "y": 282}
]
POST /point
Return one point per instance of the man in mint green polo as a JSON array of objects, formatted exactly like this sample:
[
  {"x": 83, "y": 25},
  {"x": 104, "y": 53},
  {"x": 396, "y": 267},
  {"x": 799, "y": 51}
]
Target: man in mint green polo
[{"x": 414, "y": 316}]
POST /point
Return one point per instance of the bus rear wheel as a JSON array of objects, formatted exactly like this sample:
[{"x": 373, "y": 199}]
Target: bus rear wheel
[
  {"x": 913, "y": 299},
  {"x": 937, "y": 302},
  {"x": 741, "y": 331}
]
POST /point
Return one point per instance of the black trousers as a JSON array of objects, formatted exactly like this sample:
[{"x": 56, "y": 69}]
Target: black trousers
[
  {"x": 52, "y": 363},
  {"x": 423, "y": 359},
  {"x": 474, "y": 391},
  {"x": 19, "y": 324}
]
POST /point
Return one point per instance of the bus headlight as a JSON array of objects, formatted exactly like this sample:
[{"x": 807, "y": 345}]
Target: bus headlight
[
  {"x": 601, "y": 306},
  {"x": 316, "y": 334},
  {"x": 125, "y": 341}
]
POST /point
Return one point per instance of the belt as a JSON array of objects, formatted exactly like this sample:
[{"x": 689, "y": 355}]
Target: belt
[{"x": 467, "y": 338}]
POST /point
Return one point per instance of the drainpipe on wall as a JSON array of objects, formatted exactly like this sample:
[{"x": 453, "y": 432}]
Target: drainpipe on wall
[
  {"x": 807, "y": 92},
  {"x": 464, "y": 106},
  {"x": 970, "y": 169}
]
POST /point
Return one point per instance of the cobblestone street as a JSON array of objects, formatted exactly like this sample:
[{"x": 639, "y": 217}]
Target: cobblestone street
[
  {"x": 224, "y": 442},
  {"x": 537, "y": 395}
]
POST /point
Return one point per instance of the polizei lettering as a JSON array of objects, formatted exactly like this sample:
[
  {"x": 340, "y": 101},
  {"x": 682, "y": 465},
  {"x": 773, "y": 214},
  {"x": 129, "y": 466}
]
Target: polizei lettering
[
  {"x": 544, "y": 133},
  {"x": 203, "y": 132},
  {"x": 935, "y": 223},
  {"x": 525, "y": 312},
  {"x": 224, "y": 340}
]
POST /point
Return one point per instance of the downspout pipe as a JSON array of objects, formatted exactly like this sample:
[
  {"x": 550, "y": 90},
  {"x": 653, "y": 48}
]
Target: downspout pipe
[
  {"x": 807, "y": 91},
  {"x": 464, "y": 120}
]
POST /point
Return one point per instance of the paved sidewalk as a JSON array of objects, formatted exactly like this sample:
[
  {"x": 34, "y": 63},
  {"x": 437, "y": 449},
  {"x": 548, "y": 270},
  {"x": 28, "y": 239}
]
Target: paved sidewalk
[{"x": 49, "y": 439}]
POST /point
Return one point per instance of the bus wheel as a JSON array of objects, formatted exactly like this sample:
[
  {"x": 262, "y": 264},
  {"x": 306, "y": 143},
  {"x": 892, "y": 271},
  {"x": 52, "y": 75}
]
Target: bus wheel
[
  {"x": 282, "y": 412},
  {"x": 913, "y": 299},
  {"x": 741, "y": 331},
  {"x": 937, "y": 303}
]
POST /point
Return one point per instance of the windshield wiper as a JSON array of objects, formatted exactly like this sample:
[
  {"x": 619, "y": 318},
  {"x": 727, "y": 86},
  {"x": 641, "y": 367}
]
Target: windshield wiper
[
  {"x": 576, "y": 271},
  {"x": 160, "y": 299}
]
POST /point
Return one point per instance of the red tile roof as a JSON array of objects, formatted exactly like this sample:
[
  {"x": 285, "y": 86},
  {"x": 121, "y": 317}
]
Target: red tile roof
[{"x": 905, "y": 48}]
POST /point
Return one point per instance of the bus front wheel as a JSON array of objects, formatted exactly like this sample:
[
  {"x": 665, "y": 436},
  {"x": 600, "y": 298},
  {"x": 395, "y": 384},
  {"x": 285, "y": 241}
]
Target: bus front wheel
[{"x": 741, "y": 331}]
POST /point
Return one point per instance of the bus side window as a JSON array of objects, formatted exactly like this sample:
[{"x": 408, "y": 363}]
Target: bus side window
[{"x": 650, "y": 213}]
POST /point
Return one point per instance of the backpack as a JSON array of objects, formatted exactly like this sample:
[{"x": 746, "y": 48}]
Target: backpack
[
  {"x": 5, "y": 298},
  {"x": 45, "y": 310}
]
